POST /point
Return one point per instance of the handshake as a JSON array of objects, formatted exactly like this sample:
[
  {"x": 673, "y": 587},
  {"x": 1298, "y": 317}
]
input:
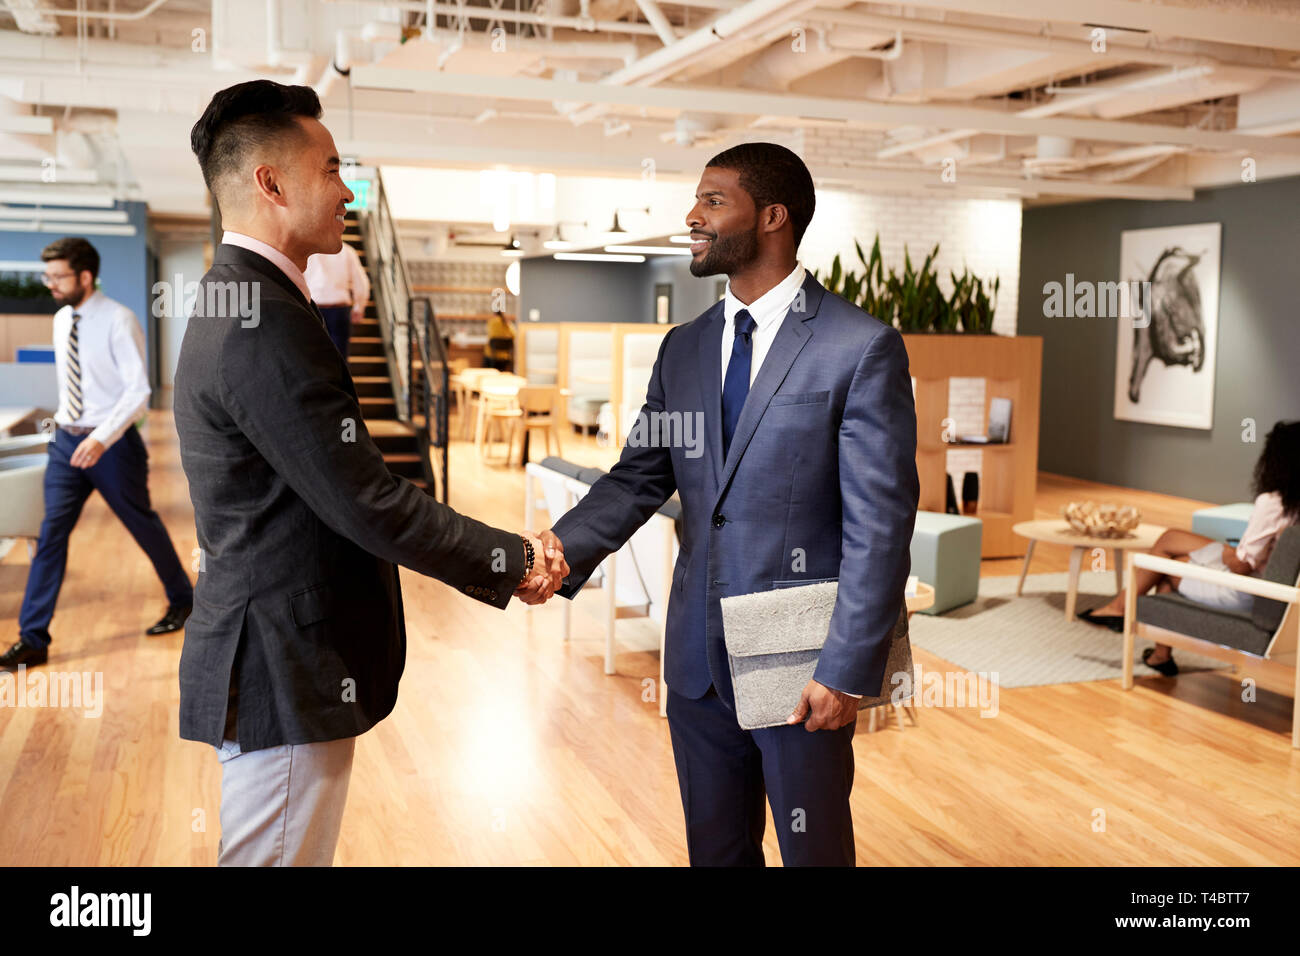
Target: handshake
[{"x": 549, "y": 569}]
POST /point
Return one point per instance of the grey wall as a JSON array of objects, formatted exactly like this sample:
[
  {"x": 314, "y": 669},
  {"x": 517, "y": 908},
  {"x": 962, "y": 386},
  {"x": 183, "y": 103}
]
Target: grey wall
[
  {"x": 610, "y": 291},
  {"x": 1258, "y": 363},
  {"x": 582, "y": 291}
]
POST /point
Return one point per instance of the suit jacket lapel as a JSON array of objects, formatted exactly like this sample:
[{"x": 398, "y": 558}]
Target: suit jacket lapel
[
  {"x": 789, "y": 342},
  {"x": 711, "y": 385},
  {"x": 227, "y": 254}
]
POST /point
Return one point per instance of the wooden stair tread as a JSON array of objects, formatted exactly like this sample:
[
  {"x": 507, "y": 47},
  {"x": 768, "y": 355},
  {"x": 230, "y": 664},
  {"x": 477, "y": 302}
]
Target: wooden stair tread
[{"x": 389, "y": 428}]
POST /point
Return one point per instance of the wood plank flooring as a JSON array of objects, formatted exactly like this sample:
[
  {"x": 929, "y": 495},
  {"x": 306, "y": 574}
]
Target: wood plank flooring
[{"x": 509, "y": 746}]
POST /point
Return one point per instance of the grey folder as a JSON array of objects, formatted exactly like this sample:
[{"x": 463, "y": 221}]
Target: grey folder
[{"x": 773, "y": 641}]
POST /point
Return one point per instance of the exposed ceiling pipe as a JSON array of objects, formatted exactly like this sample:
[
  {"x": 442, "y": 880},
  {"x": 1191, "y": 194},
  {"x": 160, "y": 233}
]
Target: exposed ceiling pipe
[
  {"x": 666, "y": 31},
  {"x": 307, "y": 66},
  {"x": 551, "y": 49},
  {"x": 105, "y": 14},
  {"x": 894, "y": 51},
  {"x": 587, "y": 25},
  {"x": 1117, "y": 47},
  {"x": 727, "y": 28},
  {"x": 1088, "y": 94}
]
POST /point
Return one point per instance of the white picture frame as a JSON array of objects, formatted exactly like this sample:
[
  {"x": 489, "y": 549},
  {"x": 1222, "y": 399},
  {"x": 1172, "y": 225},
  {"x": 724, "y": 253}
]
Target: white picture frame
[{"x": 1172, "y": 327}]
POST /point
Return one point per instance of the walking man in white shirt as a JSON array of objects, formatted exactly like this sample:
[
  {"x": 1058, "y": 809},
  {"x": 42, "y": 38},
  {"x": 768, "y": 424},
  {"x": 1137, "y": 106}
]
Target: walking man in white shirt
[
  {"x": 340, "y": 289},
  {"x": 103, "y": 390}
]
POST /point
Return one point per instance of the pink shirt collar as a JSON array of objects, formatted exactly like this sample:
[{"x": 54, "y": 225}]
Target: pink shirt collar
[{"x": 271, "y": 253}]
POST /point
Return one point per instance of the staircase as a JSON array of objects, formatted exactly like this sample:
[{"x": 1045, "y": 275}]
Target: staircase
[{"x": 369, "y": 367}]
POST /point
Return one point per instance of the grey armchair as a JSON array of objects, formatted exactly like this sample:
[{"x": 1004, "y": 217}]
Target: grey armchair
[
  {"x": 24, "y": 444},
  {"x": 22, "y": 497},
  {"x": 1260, "y": 643}
]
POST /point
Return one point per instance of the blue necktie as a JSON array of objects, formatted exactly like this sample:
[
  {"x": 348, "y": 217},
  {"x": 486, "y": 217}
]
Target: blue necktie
[{"x": 736, "y": 385}]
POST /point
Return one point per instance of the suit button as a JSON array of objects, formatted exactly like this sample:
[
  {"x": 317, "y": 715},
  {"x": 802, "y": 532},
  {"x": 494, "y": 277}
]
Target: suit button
[{"x": 719, "y": 520}]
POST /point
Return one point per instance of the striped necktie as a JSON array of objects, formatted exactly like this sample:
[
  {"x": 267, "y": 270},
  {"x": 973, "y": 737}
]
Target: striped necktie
[{"x": 74, "y": 371}]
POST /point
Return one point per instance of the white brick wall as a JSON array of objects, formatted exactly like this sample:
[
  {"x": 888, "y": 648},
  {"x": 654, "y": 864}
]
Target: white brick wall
[{"x": 981, "y": 233}]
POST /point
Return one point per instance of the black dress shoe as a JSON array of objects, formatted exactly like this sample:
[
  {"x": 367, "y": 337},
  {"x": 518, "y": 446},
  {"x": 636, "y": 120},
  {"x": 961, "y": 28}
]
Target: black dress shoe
[
  {"x": 1113, "y": 621},
  {"x": 173, "y": 620},
  {"x": 1167, "y": 668},
  {"x": 22, "y": 653}
]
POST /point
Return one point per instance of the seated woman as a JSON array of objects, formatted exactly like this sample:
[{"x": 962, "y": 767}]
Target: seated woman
[{"x": 1277, "y": 506}]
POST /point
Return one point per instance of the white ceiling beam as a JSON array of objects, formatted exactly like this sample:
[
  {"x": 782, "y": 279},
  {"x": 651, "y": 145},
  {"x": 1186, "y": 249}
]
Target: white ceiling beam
[
  {"x": 31, "y": 125},
  {"x": 1025, "y": 187},
  {"x": 1120, "y": 47},
  {"x": 1233, "y": 23},
  {"x": 884, "y": 115}
]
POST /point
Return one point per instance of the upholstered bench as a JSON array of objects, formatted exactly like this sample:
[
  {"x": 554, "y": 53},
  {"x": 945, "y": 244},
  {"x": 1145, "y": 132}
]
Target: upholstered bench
[
  {"x": 946, "y": 556},
  {"x": 1223, "y": 523}
]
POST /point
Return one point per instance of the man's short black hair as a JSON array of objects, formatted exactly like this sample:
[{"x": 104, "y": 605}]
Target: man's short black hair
[
  {"x": 244, "y": 118},
  {"x": 772, "y": 174},
  {"x": 81, "y": 255}
]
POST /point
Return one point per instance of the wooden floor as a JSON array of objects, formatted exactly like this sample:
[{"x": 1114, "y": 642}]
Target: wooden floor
[{"x": 509, "y": 746}]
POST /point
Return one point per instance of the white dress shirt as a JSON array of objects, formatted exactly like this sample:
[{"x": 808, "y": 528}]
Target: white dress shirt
[
  {"x": 338, "y": 279},
  {"x": 114, "y": 383},
  {"x": 766, "y": 311},
  {"x": 268, "y": 251}
]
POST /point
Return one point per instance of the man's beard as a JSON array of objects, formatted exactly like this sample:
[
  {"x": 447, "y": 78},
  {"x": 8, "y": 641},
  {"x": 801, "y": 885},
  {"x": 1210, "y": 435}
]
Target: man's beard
[
  {"x": 74, "y": 299},
  {"x": 727, "y": 254}
]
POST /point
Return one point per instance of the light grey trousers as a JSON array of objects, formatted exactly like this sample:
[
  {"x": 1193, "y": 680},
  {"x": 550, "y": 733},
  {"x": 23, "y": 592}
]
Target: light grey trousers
[{"x": 283, "y": 806}]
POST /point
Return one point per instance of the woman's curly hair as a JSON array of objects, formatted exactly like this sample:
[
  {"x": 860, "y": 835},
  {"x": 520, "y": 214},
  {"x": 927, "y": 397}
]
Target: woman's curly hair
[{"x": 1278, "y": 468}]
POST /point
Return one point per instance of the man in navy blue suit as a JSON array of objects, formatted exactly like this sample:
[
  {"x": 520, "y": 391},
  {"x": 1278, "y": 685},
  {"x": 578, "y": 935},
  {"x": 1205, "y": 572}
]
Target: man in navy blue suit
[{"x": 809, "y": 475}]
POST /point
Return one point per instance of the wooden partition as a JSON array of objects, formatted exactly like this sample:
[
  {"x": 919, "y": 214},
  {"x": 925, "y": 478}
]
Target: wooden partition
[
  {"x": 627, "y": 391},
  {"x": 17, "y": 331},
  {"x": 1012, "y": 368}
]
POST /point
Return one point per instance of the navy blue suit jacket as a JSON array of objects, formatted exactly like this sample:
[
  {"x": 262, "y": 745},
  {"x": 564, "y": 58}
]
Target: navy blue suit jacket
[{"x": 819, "y": 484}]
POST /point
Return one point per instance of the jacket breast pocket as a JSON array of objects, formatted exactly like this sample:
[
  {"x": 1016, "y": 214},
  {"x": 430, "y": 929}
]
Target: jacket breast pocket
[
  {"x": 311, "y": 605},
  {"x": 801, "y": 398}
]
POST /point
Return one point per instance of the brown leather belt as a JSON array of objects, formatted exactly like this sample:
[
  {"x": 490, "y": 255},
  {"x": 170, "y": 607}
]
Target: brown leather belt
[{"x": 77, "y": 430}]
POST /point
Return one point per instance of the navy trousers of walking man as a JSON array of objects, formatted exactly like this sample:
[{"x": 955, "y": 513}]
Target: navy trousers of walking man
[{"x": 122, "y": 476}]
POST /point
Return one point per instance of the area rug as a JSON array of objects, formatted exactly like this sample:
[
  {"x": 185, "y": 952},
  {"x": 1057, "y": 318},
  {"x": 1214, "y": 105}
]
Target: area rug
[{"x": 1025, "y": 641}]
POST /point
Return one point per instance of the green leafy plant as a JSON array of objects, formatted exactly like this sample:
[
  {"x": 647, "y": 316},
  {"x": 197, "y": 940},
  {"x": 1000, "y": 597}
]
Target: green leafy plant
[
  {"x": 970, "y": 304},
  {"x": 22, "y": 285},
  {"x": 914, "y": 301}
]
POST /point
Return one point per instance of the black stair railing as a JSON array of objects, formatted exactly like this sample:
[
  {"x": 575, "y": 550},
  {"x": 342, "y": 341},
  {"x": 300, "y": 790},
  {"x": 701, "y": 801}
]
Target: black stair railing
[{"x": 431, "y": 397}]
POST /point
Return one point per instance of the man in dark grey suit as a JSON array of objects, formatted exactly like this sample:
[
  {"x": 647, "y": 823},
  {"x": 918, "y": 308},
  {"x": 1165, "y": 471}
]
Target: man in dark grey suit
[
  {"x": 297, "y": 639},
  {"x": 809, "y": 475}
]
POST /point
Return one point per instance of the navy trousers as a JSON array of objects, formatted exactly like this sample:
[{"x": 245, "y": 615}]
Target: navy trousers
[
  {"x": 338, "y": 322},
  {"x": 122, "y": 476},
  {"x": 725, "y": 773}
]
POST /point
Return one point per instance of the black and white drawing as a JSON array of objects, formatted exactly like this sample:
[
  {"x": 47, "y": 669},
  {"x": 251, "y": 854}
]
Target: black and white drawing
[{"x": 1165, "y": 349}]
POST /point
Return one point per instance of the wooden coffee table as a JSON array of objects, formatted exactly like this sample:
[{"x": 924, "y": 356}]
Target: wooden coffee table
[{"x": 1058, "y": 531}]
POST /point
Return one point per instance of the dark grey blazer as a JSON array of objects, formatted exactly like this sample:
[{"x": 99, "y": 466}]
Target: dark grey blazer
[{"x": 298, "y": 606}]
